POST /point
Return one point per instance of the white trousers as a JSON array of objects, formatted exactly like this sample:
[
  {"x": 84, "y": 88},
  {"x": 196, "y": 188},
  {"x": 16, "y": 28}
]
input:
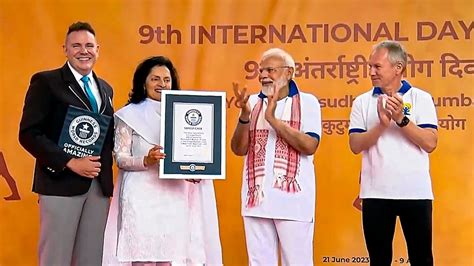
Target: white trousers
[{"x": 264, "y": 236}]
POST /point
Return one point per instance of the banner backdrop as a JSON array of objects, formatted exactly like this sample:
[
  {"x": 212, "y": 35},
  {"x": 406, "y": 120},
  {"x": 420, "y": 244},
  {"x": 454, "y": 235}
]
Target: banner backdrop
[{"x": 213, "y": 43}]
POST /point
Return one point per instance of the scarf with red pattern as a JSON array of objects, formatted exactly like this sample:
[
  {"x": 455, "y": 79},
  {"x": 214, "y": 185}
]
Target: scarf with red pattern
[{"x": 287, "y": 159}]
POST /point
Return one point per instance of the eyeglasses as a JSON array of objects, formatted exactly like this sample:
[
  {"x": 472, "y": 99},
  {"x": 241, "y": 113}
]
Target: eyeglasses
[{"x": 270, "y": 70}]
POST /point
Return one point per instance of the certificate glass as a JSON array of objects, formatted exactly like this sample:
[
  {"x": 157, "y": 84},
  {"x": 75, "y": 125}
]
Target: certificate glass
[{"x": 193, "y": 134}]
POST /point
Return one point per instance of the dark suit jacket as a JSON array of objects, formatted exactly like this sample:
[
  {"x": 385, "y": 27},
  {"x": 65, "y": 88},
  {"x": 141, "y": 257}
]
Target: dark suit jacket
[{"x": 49, "y": 95}]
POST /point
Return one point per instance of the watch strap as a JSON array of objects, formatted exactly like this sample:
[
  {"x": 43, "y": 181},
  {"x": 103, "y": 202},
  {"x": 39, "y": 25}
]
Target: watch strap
[{"x": 405, "y": 121}]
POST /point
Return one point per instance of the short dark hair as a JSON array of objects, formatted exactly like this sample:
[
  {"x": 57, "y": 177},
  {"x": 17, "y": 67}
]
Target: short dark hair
[
  {"x": 78, "y": 26},
  {"x": 138, "y": 92}
]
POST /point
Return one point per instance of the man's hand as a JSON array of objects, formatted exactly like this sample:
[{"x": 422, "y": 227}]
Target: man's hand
[
  {"x": 242, "y": 101},
  {"x": 384, "y": 114},
  {"x": 272, "y": 104},
  {"x": 87, "y": 166},
  {"x": 357, "y": 203},
  {"x": 240, "y": 139},
  {"x": 395, "y": 107},
  {"x": 154, "y": 155}
]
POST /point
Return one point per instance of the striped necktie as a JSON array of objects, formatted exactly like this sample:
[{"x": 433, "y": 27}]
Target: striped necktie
[{"x": 90, "y": 96}]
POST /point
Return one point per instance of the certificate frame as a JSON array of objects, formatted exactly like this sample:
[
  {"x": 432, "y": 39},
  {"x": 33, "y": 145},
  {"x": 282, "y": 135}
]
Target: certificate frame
[{"x": 183, "y": 111}]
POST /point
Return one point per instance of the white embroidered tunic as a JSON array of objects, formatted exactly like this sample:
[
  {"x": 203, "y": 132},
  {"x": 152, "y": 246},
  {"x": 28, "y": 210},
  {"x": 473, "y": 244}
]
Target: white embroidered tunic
[{"x": 156, "y": 219}]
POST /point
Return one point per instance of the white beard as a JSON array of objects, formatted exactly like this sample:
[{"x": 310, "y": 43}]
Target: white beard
[{"x": 269, "y": 90}]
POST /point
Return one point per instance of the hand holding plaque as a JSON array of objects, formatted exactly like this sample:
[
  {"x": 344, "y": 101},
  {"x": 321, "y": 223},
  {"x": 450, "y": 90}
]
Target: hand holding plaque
[{"x": 154, "y": 155}]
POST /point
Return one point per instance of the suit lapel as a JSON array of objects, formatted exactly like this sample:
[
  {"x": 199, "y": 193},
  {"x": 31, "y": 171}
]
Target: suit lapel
[
  {"x": 102, "y": 92},
  {"x": 74, "y": 87}
]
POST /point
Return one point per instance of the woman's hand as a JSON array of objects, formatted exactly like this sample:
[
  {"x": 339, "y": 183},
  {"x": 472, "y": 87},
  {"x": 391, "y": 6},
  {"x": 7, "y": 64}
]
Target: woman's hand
[{"x": 154, "y": 155}]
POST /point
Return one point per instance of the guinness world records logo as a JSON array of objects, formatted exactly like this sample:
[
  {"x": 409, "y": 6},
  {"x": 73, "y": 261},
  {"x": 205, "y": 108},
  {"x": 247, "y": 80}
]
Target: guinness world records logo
[
  {"x": 84, "y": 130},
  {"x": 193, "y": 117}
]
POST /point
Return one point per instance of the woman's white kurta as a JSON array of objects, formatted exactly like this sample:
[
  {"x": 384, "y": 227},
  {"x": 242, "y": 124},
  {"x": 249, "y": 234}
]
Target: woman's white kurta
[{"x": 153, "y": 219}]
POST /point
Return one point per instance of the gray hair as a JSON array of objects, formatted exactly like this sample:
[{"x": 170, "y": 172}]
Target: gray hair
[
  {"x": 279, "y": 53},
  {"x": 396, "y": 52}
]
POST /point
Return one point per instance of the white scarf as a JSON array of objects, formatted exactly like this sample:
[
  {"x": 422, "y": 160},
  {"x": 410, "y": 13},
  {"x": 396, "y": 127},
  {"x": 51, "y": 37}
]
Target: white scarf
[{"x": 144, "y": 118}]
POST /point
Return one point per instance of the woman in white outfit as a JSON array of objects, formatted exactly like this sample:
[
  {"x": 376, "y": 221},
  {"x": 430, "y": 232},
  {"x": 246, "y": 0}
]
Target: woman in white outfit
[{"x": 155, "y": 221}]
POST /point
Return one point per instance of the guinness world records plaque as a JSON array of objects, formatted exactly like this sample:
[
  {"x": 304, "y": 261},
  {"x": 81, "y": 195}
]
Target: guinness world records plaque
[
  {"x": 193, "y": 134},
  {"x": 83, "y": 132}
]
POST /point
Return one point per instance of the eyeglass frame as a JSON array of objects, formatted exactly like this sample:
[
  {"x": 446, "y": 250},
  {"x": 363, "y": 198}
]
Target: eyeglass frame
[{"x": 271, "y": 70}]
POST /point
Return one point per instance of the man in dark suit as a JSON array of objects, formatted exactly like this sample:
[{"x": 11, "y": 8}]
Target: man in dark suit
[{"x": 73, "y": 192}]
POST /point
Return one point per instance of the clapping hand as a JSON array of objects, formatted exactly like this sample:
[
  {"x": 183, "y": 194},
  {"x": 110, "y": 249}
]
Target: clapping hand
[
  {"x": 242, "y": 100},
  {"x": 384, "y": 115},
  {"x": 272, "y": 103},
  {"x": 395, "y": 107}
]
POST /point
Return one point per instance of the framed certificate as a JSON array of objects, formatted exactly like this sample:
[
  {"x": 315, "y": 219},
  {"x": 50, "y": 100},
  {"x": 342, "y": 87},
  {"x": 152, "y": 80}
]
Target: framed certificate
[{"x": 193, "y": 134}]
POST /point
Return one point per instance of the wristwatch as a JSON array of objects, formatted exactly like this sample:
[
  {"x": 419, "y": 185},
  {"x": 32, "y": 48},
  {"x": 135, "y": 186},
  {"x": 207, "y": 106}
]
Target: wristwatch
[{"x": 404, "y": 121}]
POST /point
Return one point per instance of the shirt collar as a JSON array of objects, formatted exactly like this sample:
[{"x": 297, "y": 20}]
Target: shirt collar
[
  {"x": 78, "y": 75},
  {"x": 291, "y": 92},
  {"x": 403, "y": 89}
]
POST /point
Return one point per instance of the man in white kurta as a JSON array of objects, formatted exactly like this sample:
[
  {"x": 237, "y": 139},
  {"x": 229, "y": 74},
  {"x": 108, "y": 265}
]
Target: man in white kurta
[{"x": 278, "y": 132}]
